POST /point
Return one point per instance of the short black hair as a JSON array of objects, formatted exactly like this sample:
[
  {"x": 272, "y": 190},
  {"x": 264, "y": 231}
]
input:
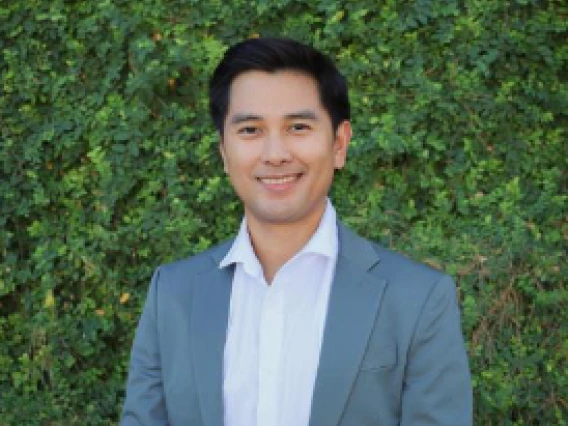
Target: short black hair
[{"x": 271, "y": 54}]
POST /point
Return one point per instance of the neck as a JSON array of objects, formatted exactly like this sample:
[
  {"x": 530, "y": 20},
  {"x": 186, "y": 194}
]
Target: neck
[{"x": 276, "y": 243}]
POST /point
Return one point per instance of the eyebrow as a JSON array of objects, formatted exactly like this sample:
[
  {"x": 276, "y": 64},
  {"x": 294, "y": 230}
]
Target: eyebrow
[
  {"x": 300, "y": 115},
  {"x": 239, "y": 118}
]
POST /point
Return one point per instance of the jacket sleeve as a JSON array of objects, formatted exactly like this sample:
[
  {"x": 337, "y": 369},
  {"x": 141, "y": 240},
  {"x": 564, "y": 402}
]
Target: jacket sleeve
[
  {"x": 437, "y": 385},
  {"x": 145, "y": 399}
]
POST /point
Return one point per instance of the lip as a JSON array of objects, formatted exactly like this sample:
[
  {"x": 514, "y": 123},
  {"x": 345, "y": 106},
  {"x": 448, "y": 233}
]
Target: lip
[{"x": 280, "y": 183}]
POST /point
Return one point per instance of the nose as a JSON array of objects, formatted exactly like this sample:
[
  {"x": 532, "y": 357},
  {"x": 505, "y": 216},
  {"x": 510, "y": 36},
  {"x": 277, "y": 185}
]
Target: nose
[{"x": 275, "y": 150}]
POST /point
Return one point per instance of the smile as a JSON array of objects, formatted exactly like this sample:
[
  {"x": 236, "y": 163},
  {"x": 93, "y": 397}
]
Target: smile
[{"x": 280, "y": 180}]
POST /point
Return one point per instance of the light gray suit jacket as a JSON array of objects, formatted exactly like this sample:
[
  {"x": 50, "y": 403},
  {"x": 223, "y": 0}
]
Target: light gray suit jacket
[{"x": 392, "y": 352}]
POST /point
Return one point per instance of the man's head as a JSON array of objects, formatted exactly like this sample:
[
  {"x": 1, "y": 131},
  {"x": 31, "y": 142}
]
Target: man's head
[
  {"x": 282, "y": 113},
  {"x": 273, "y": 55}
]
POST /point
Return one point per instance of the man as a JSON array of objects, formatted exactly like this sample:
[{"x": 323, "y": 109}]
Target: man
[{"x": 297, "y": 321}]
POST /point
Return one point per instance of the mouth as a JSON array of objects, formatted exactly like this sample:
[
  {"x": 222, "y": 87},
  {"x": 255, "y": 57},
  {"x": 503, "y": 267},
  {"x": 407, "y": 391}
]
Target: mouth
[{"x": 280, "y": 182}]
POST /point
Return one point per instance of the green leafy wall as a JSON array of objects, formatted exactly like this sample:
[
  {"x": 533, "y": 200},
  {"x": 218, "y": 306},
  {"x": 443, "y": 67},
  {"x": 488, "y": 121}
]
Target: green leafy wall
[{"x": 109, "y": 167}]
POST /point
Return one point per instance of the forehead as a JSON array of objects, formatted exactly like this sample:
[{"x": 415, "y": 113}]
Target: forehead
[{"x": 273, "y": 94}]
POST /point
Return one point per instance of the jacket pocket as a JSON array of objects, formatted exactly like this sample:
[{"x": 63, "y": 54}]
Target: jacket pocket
[{"x": 380, "y": 357}]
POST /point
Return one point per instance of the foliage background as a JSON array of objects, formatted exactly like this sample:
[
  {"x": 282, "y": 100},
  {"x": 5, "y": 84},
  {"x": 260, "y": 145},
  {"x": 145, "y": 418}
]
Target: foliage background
[{"x": 109, "y": 167}]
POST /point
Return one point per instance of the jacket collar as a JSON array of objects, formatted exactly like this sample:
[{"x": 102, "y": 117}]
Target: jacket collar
[{"x": 352, "y": 248}]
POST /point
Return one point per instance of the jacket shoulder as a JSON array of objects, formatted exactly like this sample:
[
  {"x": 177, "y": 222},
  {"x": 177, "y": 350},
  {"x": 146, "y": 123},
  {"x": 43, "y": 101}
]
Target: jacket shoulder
[
  {"x": 194, "y": 265},
  {"x": 397, "y": 266},
  {"x": 410, "y": 283}
]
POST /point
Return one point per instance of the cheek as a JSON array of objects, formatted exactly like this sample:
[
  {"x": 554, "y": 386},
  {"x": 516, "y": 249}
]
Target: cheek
[
  {"x": 324, "y": 159},
  {"x": 236, "y": 158},
  {"x": 240, "y": 168},
  {"x": 317, "y": 152}
]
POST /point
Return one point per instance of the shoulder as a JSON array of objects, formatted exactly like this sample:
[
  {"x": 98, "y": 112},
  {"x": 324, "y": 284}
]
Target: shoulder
[
  {"x": 414, "y": 293},
  {"x": 412, "y": 285},
  {"x": 407, "y": 279},
  {"x": 399, "y": 267},
  {"x": 391, "y": 264},
  {"x": 183, "y": 269}
]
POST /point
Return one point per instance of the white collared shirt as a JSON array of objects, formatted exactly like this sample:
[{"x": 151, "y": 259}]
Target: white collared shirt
[{"x": 275, "y": 331}]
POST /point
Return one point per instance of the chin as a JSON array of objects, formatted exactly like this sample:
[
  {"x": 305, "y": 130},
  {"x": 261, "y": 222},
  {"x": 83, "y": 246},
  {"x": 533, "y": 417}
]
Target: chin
[{"x": 276, "y": 216}]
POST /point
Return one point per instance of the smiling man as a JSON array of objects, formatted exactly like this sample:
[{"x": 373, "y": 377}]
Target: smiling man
[{"x": 297, "y": 321}]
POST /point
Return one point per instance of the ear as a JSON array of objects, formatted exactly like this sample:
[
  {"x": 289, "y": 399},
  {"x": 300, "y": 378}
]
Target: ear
[
  {"x": 342, "y": 139},
  {"x": 222, "y": 151}
]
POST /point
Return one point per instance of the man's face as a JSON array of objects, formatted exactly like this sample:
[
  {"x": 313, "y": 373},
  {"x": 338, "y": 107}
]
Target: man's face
[{"x": 279, "y": 148}]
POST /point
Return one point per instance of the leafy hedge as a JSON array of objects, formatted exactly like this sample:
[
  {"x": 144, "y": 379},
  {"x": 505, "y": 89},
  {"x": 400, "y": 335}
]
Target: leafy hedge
[{"x": 109, "y": 167}]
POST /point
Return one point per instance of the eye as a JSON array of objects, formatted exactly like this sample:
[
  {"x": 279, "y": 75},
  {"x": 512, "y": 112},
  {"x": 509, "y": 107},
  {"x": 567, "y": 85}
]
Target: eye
[
  {"x": 299, "y": 127},
  {"x": 248, "y": 131}
]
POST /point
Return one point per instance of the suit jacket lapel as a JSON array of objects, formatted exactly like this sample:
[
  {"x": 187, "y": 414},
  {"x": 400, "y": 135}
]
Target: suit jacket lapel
[
  {"x": 208, "y": 333},
  {"x": 353, "y": 305}
]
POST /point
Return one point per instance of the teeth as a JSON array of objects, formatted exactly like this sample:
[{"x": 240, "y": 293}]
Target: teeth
[{"x": 278, "y": 181}]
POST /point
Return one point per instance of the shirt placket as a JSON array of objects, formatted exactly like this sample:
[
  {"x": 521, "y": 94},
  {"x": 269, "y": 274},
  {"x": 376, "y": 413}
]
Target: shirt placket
[{"x": 271, "y": 330}]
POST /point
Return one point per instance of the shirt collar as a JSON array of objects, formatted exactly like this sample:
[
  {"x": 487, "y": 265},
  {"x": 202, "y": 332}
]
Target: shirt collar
[
  {"x": 324, "y": 241},
  {"x": 242, "y": 252}
]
